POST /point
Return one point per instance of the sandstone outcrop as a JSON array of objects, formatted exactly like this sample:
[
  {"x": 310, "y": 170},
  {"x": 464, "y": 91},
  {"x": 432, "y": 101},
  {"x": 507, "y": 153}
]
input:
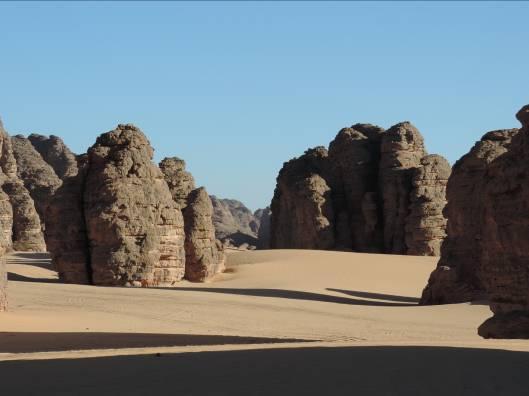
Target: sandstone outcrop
[
  {"x": 180, "y": 182},
  {"x": 235, "y": 224},
  {"x": 373, "y": 191},
  {"x": 302, "y": 210},
  {"x": 426, "y": 224},
  {"x": 135, "y": 228},
  {"x": 26, "y": 233},
  {"x": 39, "y": 178},
  {"x": 3, "y": 283},
  {"x": 457, "y": 277},
  {"x": 56, "y": 154},
  {"x": 66, "y": 236},
  {"x": 204, "y": 253}
]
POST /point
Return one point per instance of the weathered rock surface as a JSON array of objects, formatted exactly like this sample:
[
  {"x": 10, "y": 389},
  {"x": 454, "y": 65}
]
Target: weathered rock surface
[
  {"x": 56, "y": 154},
  {"x": 135, "y": 228},
  {"x": 374, "y": 191},
  {"x": 302, "y": 210},
  {"x": 66, "y": 236},
  {"x": 204, "y": 253},
  {"x": 426, "y": 224},
  {"x": 27, "y": 233},
  {"x": 457, "y": 277},
  {"x": 38, "y": 177},
  {"x": 180, "y": 182},
  {"x": 235, "y": 224}
]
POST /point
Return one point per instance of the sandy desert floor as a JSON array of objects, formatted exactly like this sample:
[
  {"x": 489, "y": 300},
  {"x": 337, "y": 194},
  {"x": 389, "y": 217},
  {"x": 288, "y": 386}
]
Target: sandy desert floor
[{"x": 278, "y": 322}]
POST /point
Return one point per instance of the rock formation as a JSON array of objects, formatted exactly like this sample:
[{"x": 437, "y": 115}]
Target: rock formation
[
  {"x": 204, "y": 253},
  {"x": 457, "y": 277},
  {"x": 373, "y": 191},
  {"x": 27, "y": 233},
  {"x": 426, "y": 224},
  {"x": 56, "y": 154},
  {"x": 135, "y": 228},
  {"x": 38, "y": 177},
  {"x": 263, "y": 235},
  {"x": 66, "y": 236},
  {"x": 302, "y": 210},
  {"x": 180, "y": 182},
  {"x": 235, "y": 224}
]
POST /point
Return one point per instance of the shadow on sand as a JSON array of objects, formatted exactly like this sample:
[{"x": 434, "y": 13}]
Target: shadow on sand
[
  {"x": 294, "y": 295},
  {"x": 11, "y": 342},
  {"x": 302, "y": 371},
  {"x": 378, "y": 296},
  {"x": 11, "y": 276}
]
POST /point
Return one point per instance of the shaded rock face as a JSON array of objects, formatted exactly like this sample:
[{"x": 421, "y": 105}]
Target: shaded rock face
[
  {"x": 135, "y": 229},
  {"x": 235, "y": 224},
  {"x": 457, "y": 277},
  {"x": 38, "y": 177},
  {"x": 302, "y": 210},
  {"x": 204, "y": 253},
  {"x": 180, "y": 182},
  {"x": 263, "y": 236},
  {"x": 66, "y": 236},
  {"x": 27, "y": 233},
  {"x": 56, "y": 154},
  {"x": 374, "y": 191}
]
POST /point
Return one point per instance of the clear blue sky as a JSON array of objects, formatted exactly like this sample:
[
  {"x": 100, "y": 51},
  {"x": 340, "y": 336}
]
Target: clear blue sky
[{"x": 238, "y": 88}]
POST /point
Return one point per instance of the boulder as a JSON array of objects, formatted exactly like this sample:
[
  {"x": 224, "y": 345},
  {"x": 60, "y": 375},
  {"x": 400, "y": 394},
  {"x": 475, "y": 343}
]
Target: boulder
[
  {"x": 56, "y": 154},
  {"x": 204, "y": 254},
  {"x": 135, "y": 229}
]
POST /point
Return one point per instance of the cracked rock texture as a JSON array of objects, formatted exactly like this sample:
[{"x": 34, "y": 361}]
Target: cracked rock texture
[
  {"x": 56, "y": 154},
  {"x": 135, "y": 229},
  {"x": 372, "y": 191},
  {"x": 180, "y": 182}
]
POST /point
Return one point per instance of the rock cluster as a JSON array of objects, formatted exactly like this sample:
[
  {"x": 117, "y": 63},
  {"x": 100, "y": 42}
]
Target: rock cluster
[
  {"x": 371, "y": 191},
  {"x": 180, "y": 182},
  {"x": 56, "y": 154}
]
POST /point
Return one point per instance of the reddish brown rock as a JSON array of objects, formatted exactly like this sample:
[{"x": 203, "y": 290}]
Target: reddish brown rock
[
  {"x": 134, "y": 227},
  {"x": 56, "y": 154},
  {"x": 426, "y": 224},
  {"x": 457, "y": 277},
  {"x": 66, "y": 236},
  {"x": 302, "y": 210},
  {"x": 204, "y": 255},
  {"x": 180, "y": 182}
]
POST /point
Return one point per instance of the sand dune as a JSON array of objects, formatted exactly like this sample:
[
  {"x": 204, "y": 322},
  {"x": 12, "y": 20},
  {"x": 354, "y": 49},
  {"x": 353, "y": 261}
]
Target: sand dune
[{"x": 278, "y": 320}]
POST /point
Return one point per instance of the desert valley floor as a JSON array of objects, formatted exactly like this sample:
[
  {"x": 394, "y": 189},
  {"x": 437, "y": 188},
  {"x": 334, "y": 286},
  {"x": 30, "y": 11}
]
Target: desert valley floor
[{"x": 283, "y": 321}]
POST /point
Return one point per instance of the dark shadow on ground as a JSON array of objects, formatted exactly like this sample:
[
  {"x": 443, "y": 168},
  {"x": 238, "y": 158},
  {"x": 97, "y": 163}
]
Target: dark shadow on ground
[
  {"x": 317, "y": 371},
  {"x": 40, "y": 260},
  {"x": 21, "y": 278},
  {"x": 291, "y": 294},
  {"x": 52, "y": 342},
  {"x": 377, "y": 296}
]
